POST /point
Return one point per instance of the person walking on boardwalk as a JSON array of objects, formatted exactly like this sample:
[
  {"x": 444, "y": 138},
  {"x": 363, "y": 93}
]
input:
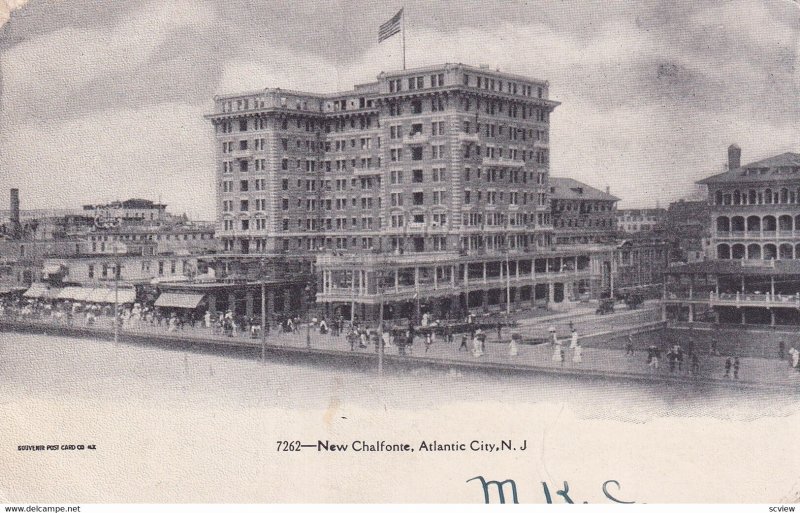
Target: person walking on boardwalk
[
  {"x": 513, "y": 350},
  {"x": 629, "y": 346},
  {"x": 558, "y": 354},
  {"x": 574, "y": 340},
  {"x": 577, "y": 355},
  {"x": 695, "y": 365},
  {"x": 736, "y": 365},
  {"x": 794, "y": 357},
  {"x": 728, "y": 367},
  {"x": 463, "y": 343}
]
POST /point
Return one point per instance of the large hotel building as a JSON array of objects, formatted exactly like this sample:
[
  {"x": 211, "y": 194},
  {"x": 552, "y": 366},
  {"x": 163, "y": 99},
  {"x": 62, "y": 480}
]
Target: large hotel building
[{"x": 429, "y": 183}]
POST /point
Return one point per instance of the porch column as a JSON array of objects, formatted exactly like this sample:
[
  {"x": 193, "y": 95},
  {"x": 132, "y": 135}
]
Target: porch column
[
  {"x": 772, "y": 317},
  {"x": 484, "y": 272},
  {"x": 248, "y": 308},
  {"x": 691, "y": 285},
  {"x": 466, "y": 276},
  {"x": 453, "y": 271},
  {"x": 663, "y": 311},
  {"x": 397, "y": 280},
  {"x": 270, "y": 303},
  {"x": 551, "y": 292},
  {"x": 435, "y": 277},
  {"x": 742, "y": 284},
  {"x": 772, "y": 287},
  {"x": 691, "y": 312},
  {"x": 743, "y": 319}
]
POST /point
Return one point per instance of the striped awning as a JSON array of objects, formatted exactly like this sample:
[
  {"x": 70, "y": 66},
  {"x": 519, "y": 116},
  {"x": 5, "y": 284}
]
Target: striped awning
[{"x": 179, "y": 300}]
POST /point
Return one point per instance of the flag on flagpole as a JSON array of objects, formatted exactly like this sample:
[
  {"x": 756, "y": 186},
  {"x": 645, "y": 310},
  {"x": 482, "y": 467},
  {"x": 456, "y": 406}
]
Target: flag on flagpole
[{"x": 391, "y": 27}]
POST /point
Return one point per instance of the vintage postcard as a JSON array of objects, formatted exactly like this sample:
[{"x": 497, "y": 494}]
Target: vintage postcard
[{"x": 456, "y": 252}]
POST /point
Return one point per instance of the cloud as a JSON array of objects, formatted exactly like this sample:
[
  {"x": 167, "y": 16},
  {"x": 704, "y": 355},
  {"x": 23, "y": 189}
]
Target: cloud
[
  {"x": 74, "y": 70},
  {"x": 7, "y": 7},
  {"x": 164, "y": 151}
]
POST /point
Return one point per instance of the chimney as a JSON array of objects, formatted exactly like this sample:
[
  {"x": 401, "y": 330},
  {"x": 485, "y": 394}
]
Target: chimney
[
  {"x": 608, "y": 189},
  {"x": 734, "y": 157},
  {"x": 15, "y": 225}
]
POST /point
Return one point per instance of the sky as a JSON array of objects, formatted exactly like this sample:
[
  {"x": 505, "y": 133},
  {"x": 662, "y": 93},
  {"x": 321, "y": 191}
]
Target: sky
[{"x": 104, "y": 100}]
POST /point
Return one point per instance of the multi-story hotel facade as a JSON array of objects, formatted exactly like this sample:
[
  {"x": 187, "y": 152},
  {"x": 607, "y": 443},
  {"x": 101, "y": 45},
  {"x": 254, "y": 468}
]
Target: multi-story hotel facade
[
  {"x": 752, "y": 275},
  {"x": 439, "y": 173}
]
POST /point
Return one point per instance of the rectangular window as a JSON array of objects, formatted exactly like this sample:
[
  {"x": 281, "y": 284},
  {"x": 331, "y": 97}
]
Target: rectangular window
[
  {"x": 243, "y": 185},
  {"x": 417, "y": 176},
  {"x": 419, "y": 198},
  {"x": 416, "y": 153}
]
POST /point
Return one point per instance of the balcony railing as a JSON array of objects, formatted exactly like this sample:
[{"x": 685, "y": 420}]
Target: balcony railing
[{"x": 744, "y": 298}]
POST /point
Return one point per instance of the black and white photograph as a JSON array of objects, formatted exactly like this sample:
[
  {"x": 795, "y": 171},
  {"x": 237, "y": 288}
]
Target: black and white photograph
[{"x": 345, "y": 252}]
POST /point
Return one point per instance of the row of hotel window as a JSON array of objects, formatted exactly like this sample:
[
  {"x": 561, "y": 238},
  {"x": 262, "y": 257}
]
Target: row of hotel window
[
  {"x": 585, "y": 223},
  {"x": 766, "y": 196},
  {"x": 540, "y": 156},
  {"x": 396, "y": 177},
  {"x": 479, "y": 81},
  {"x": 396, "y": 108},
  {"x": 150, "y": 236},
  {"x": 396, "y": 221}
]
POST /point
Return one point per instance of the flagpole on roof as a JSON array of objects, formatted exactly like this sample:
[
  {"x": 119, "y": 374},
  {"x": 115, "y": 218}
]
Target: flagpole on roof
[{"x": 403, "y": 21}]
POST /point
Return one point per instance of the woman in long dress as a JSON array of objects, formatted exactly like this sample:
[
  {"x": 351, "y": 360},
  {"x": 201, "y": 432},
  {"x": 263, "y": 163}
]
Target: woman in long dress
[
  {"x": 577, "y": 355},
  {"x": 557, "y": 356}
]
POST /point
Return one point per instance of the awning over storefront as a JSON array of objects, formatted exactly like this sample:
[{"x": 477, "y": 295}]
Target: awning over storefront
[
  {"x": 6, "y": 289},
  {"x": 74, "y": 293},
  {"x": 99, "y": 295},
  {"x": 123, "y": 296},
  {"x": 37, "y": 291},
  {"x": 179, "y": 300}
]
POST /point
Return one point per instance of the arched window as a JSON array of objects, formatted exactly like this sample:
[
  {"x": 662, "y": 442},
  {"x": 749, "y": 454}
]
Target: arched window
[
  {"x": 768, "y": 196},
  {"x": 784, "y": 197},
  {"x": 724, "y": 251},
  {"x": 753, "y": 224},
  {"x": 737, "y": 197},
  {"x": 738, "y": 251},
  {"x": 754, "y": 252},
  {"x": 723, "y": 224},
  {"x": 785, "y": 252},
  {"x": 770, "y": 252},
  {"x": 718, "y": 198}
]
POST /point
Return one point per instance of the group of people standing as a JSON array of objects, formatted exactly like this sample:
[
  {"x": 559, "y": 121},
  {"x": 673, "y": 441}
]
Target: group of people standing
[{"x": 559, "y": 353}]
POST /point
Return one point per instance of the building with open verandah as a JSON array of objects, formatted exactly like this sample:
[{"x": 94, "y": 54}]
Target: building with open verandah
[
  {"x": 446, "y": 284},
  {"x": 753, "y": 274}
]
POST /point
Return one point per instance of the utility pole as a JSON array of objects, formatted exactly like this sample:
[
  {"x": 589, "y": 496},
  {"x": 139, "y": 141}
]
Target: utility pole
[
  {"x": 116, "y": 295},
  {"x": 263, "y": 316},
  {"x": 380, "y": 329}
]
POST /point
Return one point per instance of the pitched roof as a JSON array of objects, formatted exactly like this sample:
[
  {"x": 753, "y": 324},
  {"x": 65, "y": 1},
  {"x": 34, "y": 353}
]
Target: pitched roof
[
  {"x": 785, "y": 166},
  {"x": 567, "y": 188}
]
